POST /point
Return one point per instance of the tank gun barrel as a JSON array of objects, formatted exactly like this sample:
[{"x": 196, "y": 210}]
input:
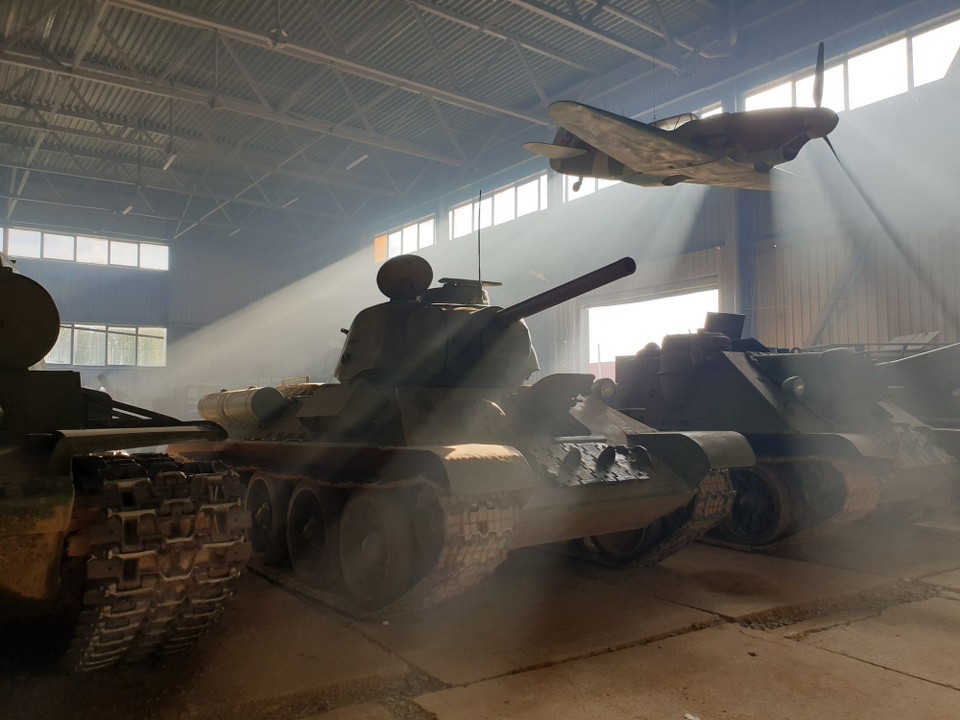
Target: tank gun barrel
[{"x": 578, "y": 286}]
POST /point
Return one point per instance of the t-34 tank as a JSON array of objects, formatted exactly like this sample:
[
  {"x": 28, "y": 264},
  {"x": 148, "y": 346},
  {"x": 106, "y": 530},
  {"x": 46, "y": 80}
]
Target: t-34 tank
[
  {"x": 140, "y": 552},
  {"x": 411, "y": 478},
  {"x": 830, "y": 445}
]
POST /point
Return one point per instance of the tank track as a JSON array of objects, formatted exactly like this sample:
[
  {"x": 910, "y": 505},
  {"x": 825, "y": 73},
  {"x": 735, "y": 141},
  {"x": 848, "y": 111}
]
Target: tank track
[
  {"x": 862, "y": 486},
  {"x": 711, "y": 505},
  {"x": 476, "y": 537},
  {"x": 162, "y": 544}
]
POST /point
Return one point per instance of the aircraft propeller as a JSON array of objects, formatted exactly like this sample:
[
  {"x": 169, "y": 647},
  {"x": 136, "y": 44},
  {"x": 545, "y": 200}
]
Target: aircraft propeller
[
  {"x": 818, "y": 94},
  {"x": 818, "y": 78}
]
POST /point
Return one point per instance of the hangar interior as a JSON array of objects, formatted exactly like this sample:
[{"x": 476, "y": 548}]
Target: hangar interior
[
  {"x": 264, "y": 158},
  {"x": 208, "y": 189}
]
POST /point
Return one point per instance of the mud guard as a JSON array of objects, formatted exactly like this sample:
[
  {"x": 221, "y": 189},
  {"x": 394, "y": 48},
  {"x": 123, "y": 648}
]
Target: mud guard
[
  {"x": 692, "y": 455},
  {"x": 800, "y": 446}
]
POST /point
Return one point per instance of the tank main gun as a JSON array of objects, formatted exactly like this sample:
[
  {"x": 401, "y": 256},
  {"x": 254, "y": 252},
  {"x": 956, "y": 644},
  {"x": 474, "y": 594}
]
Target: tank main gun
[
  {"x": 569, "y": 290},
  {"x": 424, "y": 337}
]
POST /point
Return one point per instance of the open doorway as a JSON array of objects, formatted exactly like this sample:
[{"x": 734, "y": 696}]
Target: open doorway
[{"x": 625, "y": 328}]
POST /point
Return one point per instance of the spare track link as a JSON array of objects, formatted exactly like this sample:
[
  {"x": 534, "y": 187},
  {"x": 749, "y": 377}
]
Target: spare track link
[
  {"x": 713, "y": 502},
  {"x": 162, "y": 555}
]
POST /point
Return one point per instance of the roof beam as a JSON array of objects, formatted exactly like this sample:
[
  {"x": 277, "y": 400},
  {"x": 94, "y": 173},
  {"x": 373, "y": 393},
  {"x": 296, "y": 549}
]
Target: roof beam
[
  {"x": 585, "y": 28},
  {"x": 86, "y": 35},
  {"x": 87, "y": 174},
  {"x": 318, "y": 56},
  {"x": 118, "y": 78},
  {"x": 203, "y": 150},
  {"x": 489, "y": 28}
]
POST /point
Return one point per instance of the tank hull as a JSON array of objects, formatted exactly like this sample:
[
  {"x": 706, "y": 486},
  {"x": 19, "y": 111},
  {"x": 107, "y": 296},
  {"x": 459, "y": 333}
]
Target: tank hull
[
  {"x": 614, "y": 476},
  {"x": 830, "y": 447}
]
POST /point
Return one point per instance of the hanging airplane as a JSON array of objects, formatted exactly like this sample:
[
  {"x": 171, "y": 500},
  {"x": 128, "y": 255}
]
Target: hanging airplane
[{"x": 727, "y": 149}]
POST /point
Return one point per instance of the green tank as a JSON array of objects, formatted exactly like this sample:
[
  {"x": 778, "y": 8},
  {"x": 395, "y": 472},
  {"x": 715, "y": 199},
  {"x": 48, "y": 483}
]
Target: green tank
[
  {"x": 138, "y": 551},
  {"x": 412, "y": 477},
  {"x": 831, "y": 445}
]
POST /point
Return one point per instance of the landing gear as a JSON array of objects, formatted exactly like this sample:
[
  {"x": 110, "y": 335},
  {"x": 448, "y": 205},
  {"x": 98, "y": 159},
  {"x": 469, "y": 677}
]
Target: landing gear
[
  {"x": 313, "y": 534},
  {"x": 377, "y": 548},
  {"x": 267, "y": 502}
]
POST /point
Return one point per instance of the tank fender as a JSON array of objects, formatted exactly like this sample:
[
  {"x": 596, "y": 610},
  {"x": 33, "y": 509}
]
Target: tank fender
[
  {"x": 823, "y": 445},
  {"x": 78, "y": 442},
  {"x": 692, "y": 455},
  {"x": 475, "y": 468}
]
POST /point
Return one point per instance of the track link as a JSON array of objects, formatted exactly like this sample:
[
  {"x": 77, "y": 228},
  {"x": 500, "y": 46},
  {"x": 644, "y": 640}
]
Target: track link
[
  {"x": 163, "y": 543},
  {"x": 711, "y": 505}
]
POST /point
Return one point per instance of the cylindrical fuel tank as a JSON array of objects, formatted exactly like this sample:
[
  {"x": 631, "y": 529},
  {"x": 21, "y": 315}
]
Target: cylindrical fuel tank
[{"x": 253, "y": 406}]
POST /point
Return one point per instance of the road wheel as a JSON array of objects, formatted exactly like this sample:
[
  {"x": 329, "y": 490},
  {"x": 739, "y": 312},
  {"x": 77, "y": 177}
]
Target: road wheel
[
  {"x": 762, "y": 508},
  {"x": 313, "y": 534},
  {"x": 377, "y": 548},
  {"x": 267, "y": 500},
  {"x": 624, "y": 547}
]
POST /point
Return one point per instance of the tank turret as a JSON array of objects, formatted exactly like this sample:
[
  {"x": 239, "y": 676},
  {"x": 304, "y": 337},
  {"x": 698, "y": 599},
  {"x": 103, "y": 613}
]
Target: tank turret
[
  {"x": 448, "y": 336},
  {"x": 411, "y": 478}
]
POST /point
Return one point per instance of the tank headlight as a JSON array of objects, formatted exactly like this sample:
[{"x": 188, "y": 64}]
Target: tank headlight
[
  {"x": 794, "y": 385},
  {"x": 605, "y": 389}
]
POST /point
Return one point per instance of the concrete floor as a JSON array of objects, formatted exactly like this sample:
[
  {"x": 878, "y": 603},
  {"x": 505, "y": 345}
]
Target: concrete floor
[{"x": 863, "y": 624}]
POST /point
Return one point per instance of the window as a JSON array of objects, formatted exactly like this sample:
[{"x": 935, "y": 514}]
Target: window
[
  {"x": 407, "y": 239},
  {"x": 505, "y": 204},
  {"x": 623, "y": 329},
  {"x": 21, "y": 242},
  {"x": 124, "y": 253},
  {"x": 878, "y": 74},
  {"x": 89, "y": 345},
  {"x": 93, "y": 250},
  {"x": 58, "y": 247},
  {"x": 714, "y": 109},
  {"x": 873, "y": 75},
  {"x": 109, "y": 345},
  {"x": 933, "y": 51},
  {"x": 776, "y": 97},
  {"x": 154, "y": 257}
]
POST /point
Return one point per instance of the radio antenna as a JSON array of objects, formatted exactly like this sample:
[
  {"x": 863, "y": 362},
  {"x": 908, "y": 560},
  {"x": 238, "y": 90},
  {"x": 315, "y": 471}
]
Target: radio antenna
[{"x": 479, "y": 279}]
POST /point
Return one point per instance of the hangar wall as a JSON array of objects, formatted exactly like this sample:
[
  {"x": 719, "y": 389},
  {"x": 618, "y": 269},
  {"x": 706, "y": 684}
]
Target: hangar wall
[{"x": 876, "y": 263}]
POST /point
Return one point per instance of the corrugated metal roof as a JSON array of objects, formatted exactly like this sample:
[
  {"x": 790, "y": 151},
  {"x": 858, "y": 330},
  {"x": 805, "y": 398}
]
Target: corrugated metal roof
[{"x": 260, "y": 99}]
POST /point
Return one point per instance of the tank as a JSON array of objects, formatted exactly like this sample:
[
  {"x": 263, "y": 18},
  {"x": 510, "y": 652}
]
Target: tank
[
  {"x": 138, "y": 552},
  {"x": 412, "y": 477},
  {"x": 831, "y": 445}
]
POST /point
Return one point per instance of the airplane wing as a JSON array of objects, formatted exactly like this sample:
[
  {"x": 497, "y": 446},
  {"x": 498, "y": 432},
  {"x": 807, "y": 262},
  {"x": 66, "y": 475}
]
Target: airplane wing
[
  {"x": 554, "y": 152},
  {"x": 641, "y": 147}
]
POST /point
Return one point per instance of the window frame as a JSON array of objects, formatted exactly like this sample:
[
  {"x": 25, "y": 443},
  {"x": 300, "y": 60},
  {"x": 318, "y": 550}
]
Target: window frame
[
  {"x": 136, "y": 332},
  {"x": 82, "y": 244}
]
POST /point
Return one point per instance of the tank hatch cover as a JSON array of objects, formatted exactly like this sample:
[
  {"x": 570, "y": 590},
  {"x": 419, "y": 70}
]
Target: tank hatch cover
[
  {"x": 404, "y": 277},
  {"x": 29, "y": 321}
]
